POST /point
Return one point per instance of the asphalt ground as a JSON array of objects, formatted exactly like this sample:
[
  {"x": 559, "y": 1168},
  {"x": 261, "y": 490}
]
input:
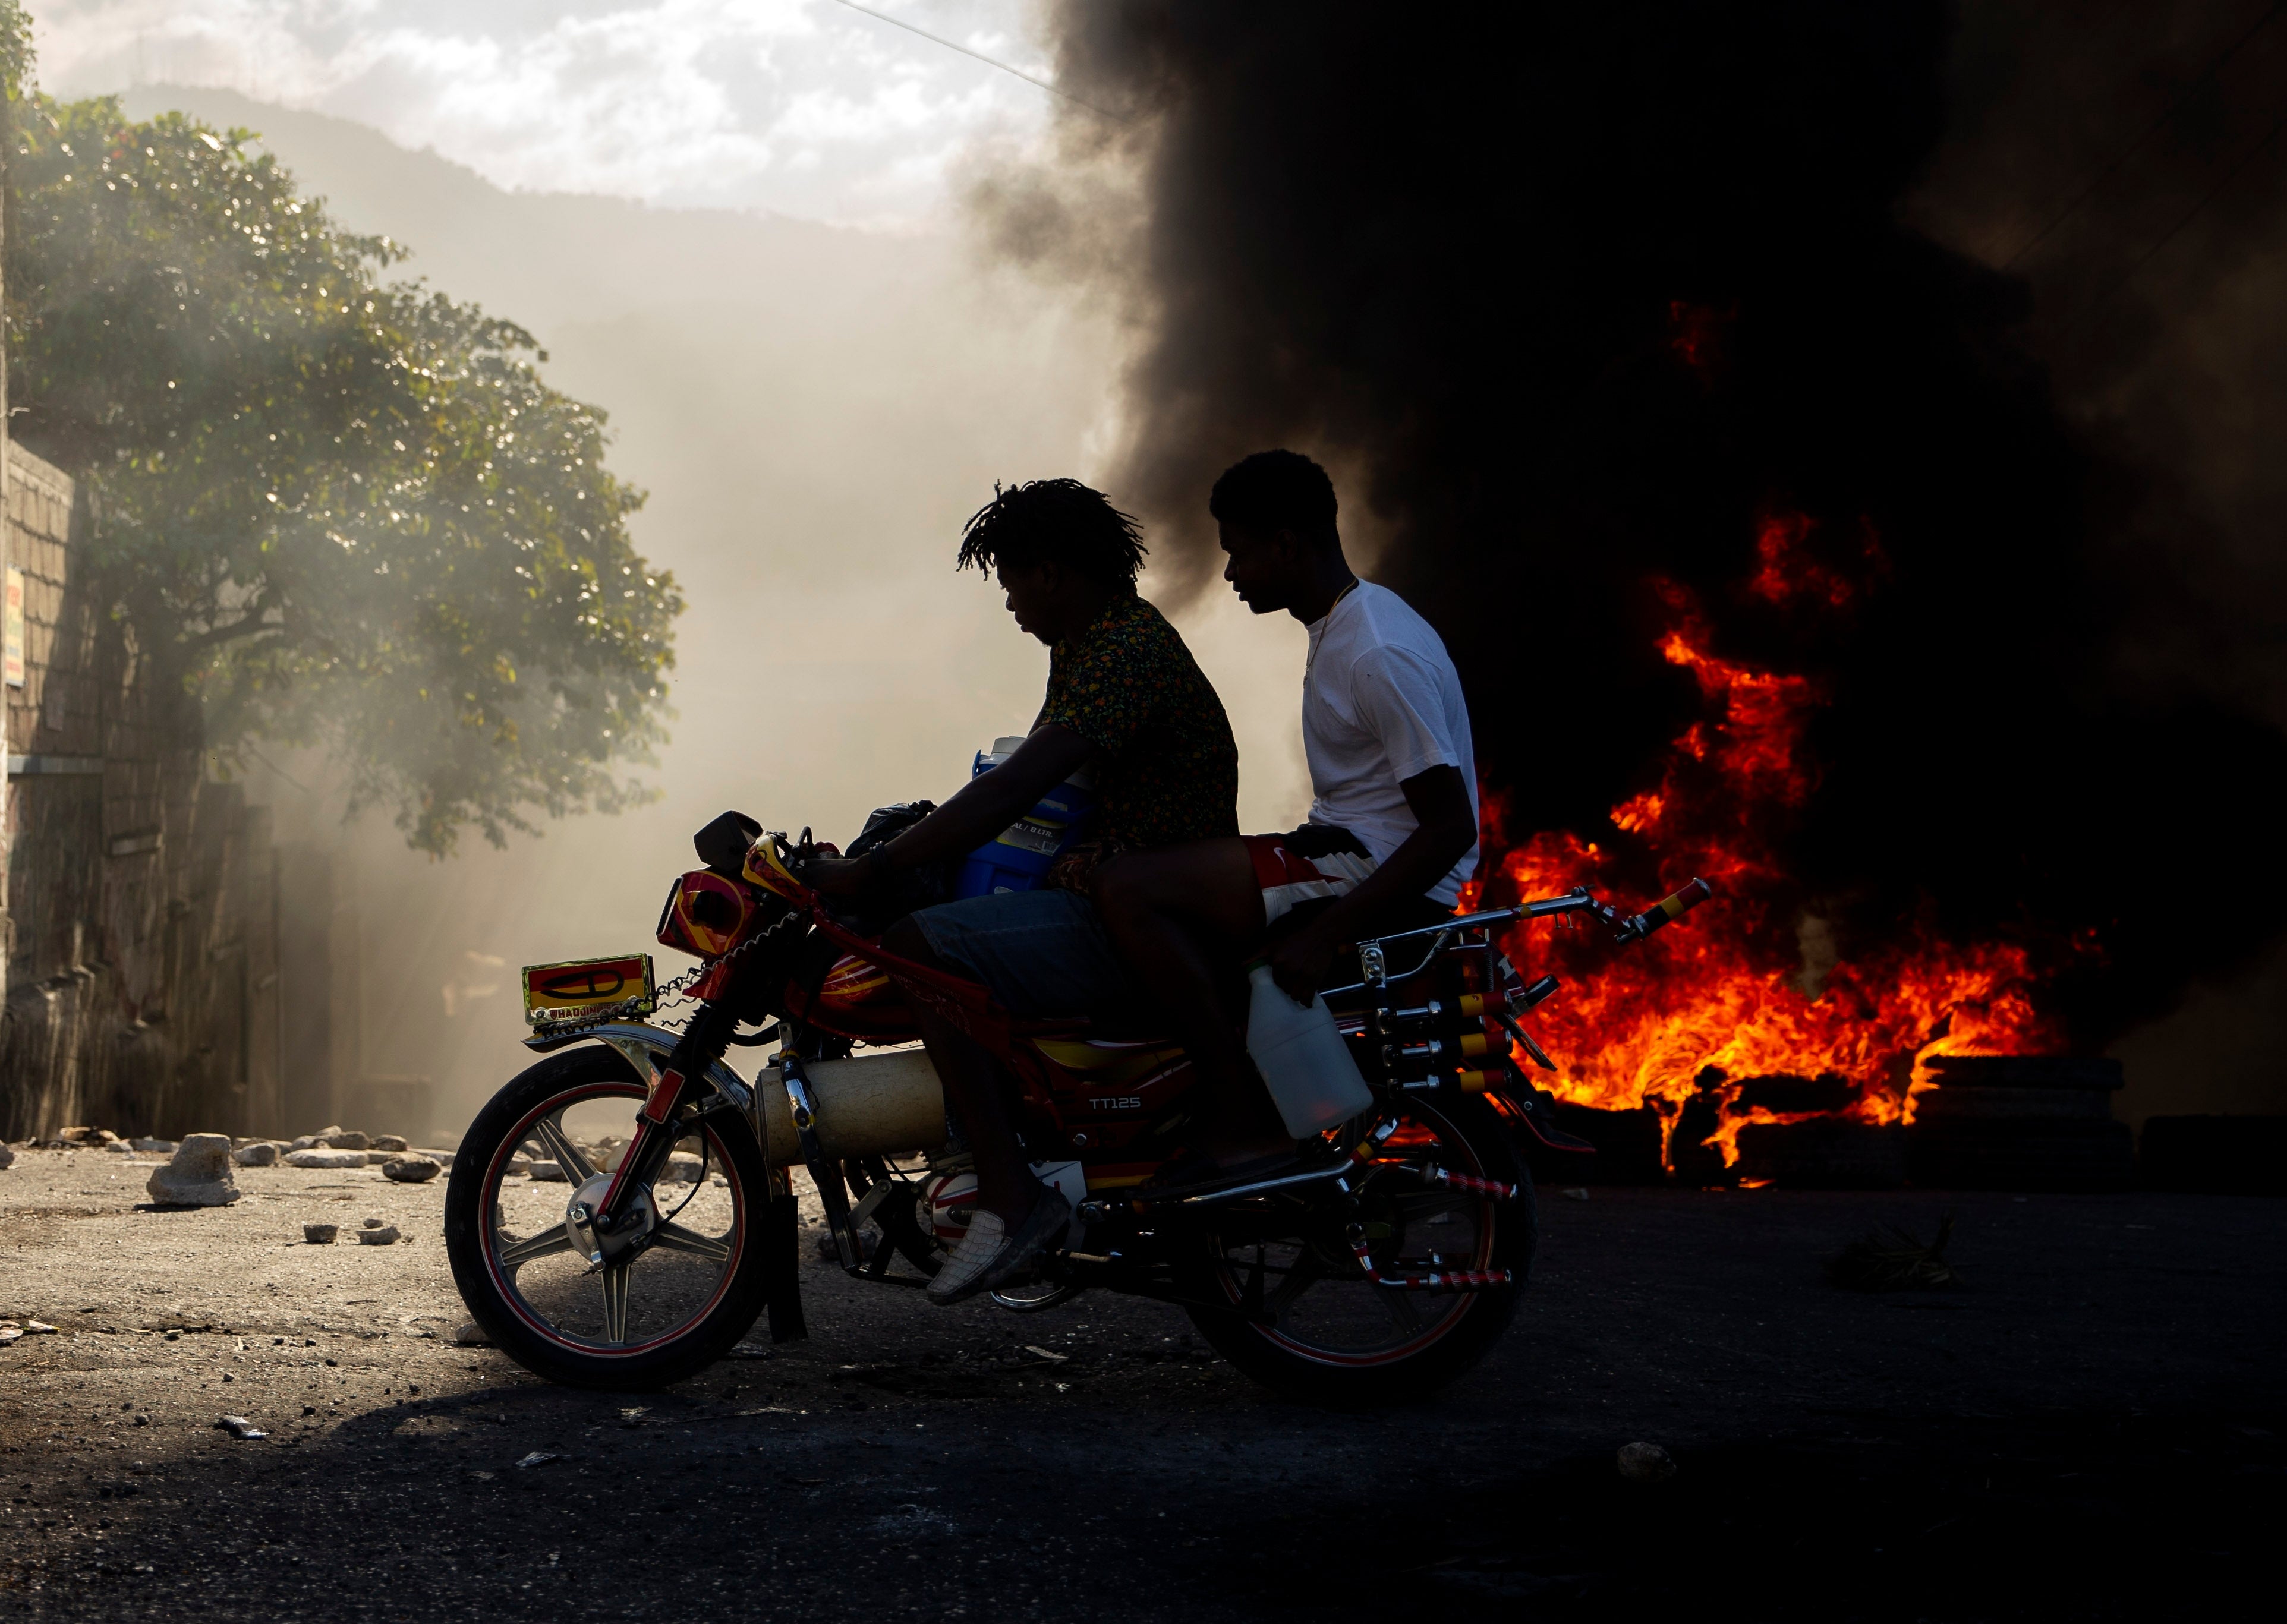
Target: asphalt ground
[{"x": 2089, "y": 1428}]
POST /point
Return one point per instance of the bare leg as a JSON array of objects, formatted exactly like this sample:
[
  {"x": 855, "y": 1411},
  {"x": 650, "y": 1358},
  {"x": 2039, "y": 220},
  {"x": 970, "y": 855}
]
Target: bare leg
[
  {"x": 979, "y": 1087},
  {"x": 1162, "y": 909}
]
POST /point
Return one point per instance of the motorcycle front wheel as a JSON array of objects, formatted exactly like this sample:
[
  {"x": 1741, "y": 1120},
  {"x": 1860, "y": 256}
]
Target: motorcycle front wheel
[
  {"x": 1294, "y": 1309},
  {"x": 655, "y": 1313}
]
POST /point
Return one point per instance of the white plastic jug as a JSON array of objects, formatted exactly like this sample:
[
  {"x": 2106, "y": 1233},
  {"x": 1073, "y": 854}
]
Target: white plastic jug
[{"x": 1302, "y": 1057}]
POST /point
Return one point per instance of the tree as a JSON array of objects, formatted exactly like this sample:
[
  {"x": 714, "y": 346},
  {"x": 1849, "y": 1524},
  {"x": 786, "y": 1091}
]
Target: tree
[{"x": 348, "y": 513}]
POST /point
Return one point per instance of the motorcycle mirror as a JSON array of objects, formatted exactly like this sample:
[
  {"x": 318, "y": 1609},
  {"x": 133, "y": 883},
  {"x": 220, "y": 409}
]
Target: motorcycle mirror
[{"x": 722, "y": 845}]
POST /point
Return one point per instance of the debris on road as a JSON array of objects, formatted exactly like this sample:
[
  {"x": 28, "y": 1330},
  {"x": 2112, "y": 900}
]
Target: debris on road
[
  {"x": 388, "y": 1141},
  {"x": 410, "y": 1167},
  {"x": 260, "y": 1153},
  {"x": 199, "y": 1175},
  {"x": 684, "y": 1168},
  {"x": 377, "y": 1233},
  {"x": 320, "y": 1234},
  {"x": 1577, "y": 1192},
  {"x": 239, "y": 1426},
  {"x": 325, "y": 1158},
  {"x": 539, "y": 1457},
  {"x": 1054, "y": 1359},
  {"x": 548, "y": 1172},
  {"x": 338, "y": 1138},
  {"x": 1890, "y": 1259},
  {"x": 6, "y": 1155},
  {"x": 1646, "y": 1463},
  {"x": 471, "y": 1336}
]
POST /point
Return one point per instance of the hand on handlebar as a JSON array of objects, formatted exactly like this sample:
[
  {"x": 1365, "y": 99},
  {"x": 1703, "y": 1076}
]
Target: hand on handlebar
[{"x": 837, "y": 876}]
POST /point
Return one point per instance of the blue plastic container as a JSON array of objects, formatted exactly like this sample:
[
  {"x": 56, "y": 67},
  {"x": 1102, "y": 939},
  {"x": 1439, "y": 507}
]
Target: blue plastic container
[{"x": 1020, "y": 856}]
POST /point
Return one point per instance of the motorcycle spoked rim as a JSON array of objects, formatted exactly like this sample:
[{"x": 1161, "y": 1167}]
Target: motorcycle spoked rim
[
  {"x": 504, "y": 1286},
  {"x": 1449, "y": 1140}
]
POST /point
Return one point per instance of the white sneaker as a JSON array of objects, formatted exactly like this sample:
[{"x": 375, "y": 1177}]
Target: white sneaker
[{"x": 988, "y": 1254}]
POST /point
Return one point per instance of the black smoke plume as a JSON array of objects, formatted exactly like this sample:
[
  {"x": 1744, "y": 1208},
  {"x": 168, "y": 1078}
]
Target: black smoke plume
[{"x": 1570, "y": 298}]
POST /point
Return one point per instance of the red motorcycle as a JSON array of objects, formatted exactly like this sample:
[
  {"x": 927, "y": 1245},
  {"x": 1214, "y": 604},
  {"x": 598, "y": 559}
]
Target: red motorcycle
[{"x": 621, "y": 1214}]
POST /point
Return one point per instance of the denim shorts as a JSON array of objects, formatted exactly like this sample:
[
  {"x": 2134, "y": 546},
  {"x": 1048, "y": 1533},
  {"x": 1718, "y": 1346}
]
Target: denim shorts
[{"x": 1039, "y": 952}]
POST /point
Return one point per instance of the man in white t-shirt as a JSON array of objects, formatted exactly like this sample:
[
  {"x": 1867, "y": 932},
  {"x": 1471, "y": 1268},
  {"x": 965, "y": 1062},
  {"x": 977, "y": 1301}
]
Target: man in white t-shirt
[{"x": 1393, "y": 829}]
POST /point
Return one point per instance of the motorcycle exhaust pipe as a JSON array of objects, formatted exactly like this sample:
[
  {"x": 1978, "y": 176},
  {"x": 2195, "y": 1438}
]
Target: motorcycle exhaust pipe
[{"x": 871, "y": 1105}]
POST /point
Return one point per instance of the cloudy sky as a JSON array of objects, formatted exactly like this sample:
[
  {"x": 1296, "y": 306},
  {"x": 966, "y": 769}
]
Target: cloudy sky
[{"x": 805, "y": 107}]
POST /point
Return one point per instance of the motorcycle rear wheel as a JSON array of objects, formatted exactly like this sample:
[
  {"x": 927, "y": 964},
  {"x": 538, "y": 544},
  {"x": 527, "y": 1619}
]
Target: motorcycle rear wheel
[
  {"x": 651, "y": 1317},
  {"x": 1304, "y": 1319}
]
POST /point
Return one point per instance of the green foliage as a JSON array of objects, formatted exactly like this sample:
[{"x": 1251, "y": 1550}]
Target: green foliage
[
  {"x": 352, "y": 510},
  {"x": 16, "y": 53}
]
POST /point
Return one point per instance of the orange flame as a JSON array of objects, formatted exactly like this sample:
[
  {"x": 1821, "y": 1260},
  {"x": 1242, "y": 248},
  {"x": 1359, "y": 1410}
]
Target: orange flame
[{"x": 1747, "y": 986}]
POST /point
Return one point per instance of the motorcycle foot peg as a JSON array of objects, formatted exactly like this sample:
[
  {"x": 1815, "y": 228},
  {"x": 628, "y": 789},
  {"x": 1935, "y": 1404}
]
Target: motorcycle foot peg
[{"x": 1093, "y": 1210}]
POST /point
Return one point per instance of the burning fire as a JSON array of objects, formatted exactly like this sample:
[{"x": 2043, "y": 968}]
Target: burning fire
[{"x": 1748, "y": 988}]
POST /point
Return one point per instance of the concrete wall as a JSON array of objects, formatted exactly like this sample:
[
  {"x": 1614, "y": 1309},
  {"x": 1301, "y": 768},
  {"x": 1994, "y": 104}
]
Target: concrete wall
[{"x": 144, "y": 973}]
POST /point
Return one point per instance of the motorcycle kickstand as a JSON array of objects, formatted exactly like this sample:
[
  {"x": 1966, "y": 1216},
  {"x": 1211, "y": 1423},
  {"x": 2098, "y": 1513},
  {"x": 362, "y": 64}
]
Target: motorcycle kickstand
[{"x": 784, "y": 1241}]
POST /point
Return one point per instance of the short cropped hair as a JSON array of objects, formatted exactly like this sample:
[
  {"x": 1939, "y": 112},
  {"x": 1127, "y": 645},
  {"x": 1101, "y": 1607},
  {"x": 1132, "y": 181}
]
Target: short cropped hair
[
  {"x": 1054, "y": 520},
  {"x": 1276, "y": 489}
]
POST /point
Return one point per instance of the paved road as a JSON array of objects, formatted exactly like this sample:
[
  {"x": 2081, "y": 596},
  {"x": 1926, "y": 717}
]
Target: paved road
[{"x": 2092, "y": 1429}]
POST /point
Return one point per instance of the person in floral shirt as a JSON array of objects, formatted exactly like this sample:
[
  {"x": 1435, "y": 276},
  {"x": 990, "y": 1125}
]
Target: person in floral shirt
[
  {"x": 1166, "y": 771},
  {"x": 1125, "y": 700}
]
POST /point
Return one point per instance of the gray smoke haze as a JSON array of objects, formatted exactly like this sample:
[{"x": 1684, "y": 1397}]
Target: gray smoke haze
[{"x": 814, "y": 410}]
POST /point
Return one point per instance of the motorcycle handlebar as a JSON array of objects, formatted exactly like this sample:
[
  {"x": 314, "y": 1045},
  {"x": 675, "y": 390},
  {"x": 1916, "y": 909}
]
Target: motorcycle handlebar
[
  {"x": 1578, "y": 900},
  {"x": 1666, "y": 911}
]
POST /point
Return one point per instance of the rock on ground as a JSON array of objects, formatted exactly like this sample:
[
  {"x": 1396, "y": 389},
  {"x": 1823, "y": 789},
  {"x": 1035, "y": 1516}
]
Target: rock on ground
[
  {"x": 411, "y": 1169},
  {"x": 6, "y": 1155},
  {"x": 347, "y": 1138},
  {"x": 388, "y": 1141},
  {"x": 261, "y": 1153},
  {"x": 325, "y": 1158},
  {"x": 374, "y": 1234},
  {"x": 1646, "y": 1463},
  {"x": 320, "y": 1234},
  {"x": 199, "y": 1175},
  {"x": 684, "y": 1168}
]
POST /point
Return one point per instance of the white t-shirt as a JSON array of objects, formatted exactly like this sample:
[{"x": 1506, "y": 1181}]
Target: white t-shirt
[{"x": 1381, "y": 704}]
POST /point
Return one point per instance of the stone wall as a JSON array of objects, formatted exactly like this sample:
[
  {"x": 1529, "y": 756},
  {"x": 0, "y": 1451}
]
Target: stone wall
[{"x": 144, "y": 979}]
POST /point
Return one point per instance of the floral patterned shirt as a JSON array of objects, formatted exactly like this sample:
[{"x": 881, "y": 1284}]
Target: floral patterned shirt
[{"x": 1167, "y": 767}]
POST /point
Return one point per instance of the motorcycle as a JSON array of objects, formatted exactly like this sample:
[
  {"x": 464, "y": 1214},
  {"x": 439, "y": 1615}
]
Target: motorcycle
[{"x": 1388, "y": 1261}]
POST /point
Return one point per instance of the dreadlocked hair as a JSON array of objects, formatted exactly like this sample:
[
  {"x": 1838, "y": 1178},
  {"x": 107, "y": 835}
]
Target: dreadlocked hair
[{"x": 1059, "y": 521}]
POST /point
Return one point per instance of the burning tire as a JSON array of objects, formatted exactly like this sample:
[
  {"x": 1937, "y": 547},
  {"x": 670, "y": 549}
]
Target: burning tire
[
  {"x": 2021, "y": 1122},
  {"x": 1303, "y": 1317},
  {"x": 676, "y": 1290}
]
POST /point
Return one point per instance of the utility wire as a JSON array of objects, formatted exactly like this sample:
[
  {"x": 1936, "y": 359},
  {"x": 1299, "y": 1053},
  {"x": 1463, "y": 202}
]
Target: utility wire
[
  {"x": 2072, "y": 205},
  {"x": 2193, "y": 213},
  {"x": 936, "y": 39}
]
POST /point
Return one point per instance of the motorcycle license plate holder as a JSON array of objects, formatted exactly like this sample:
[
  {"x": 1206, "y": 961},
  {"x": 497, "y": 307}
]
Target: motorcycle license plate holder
[{"x": 580, "y": 989}]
